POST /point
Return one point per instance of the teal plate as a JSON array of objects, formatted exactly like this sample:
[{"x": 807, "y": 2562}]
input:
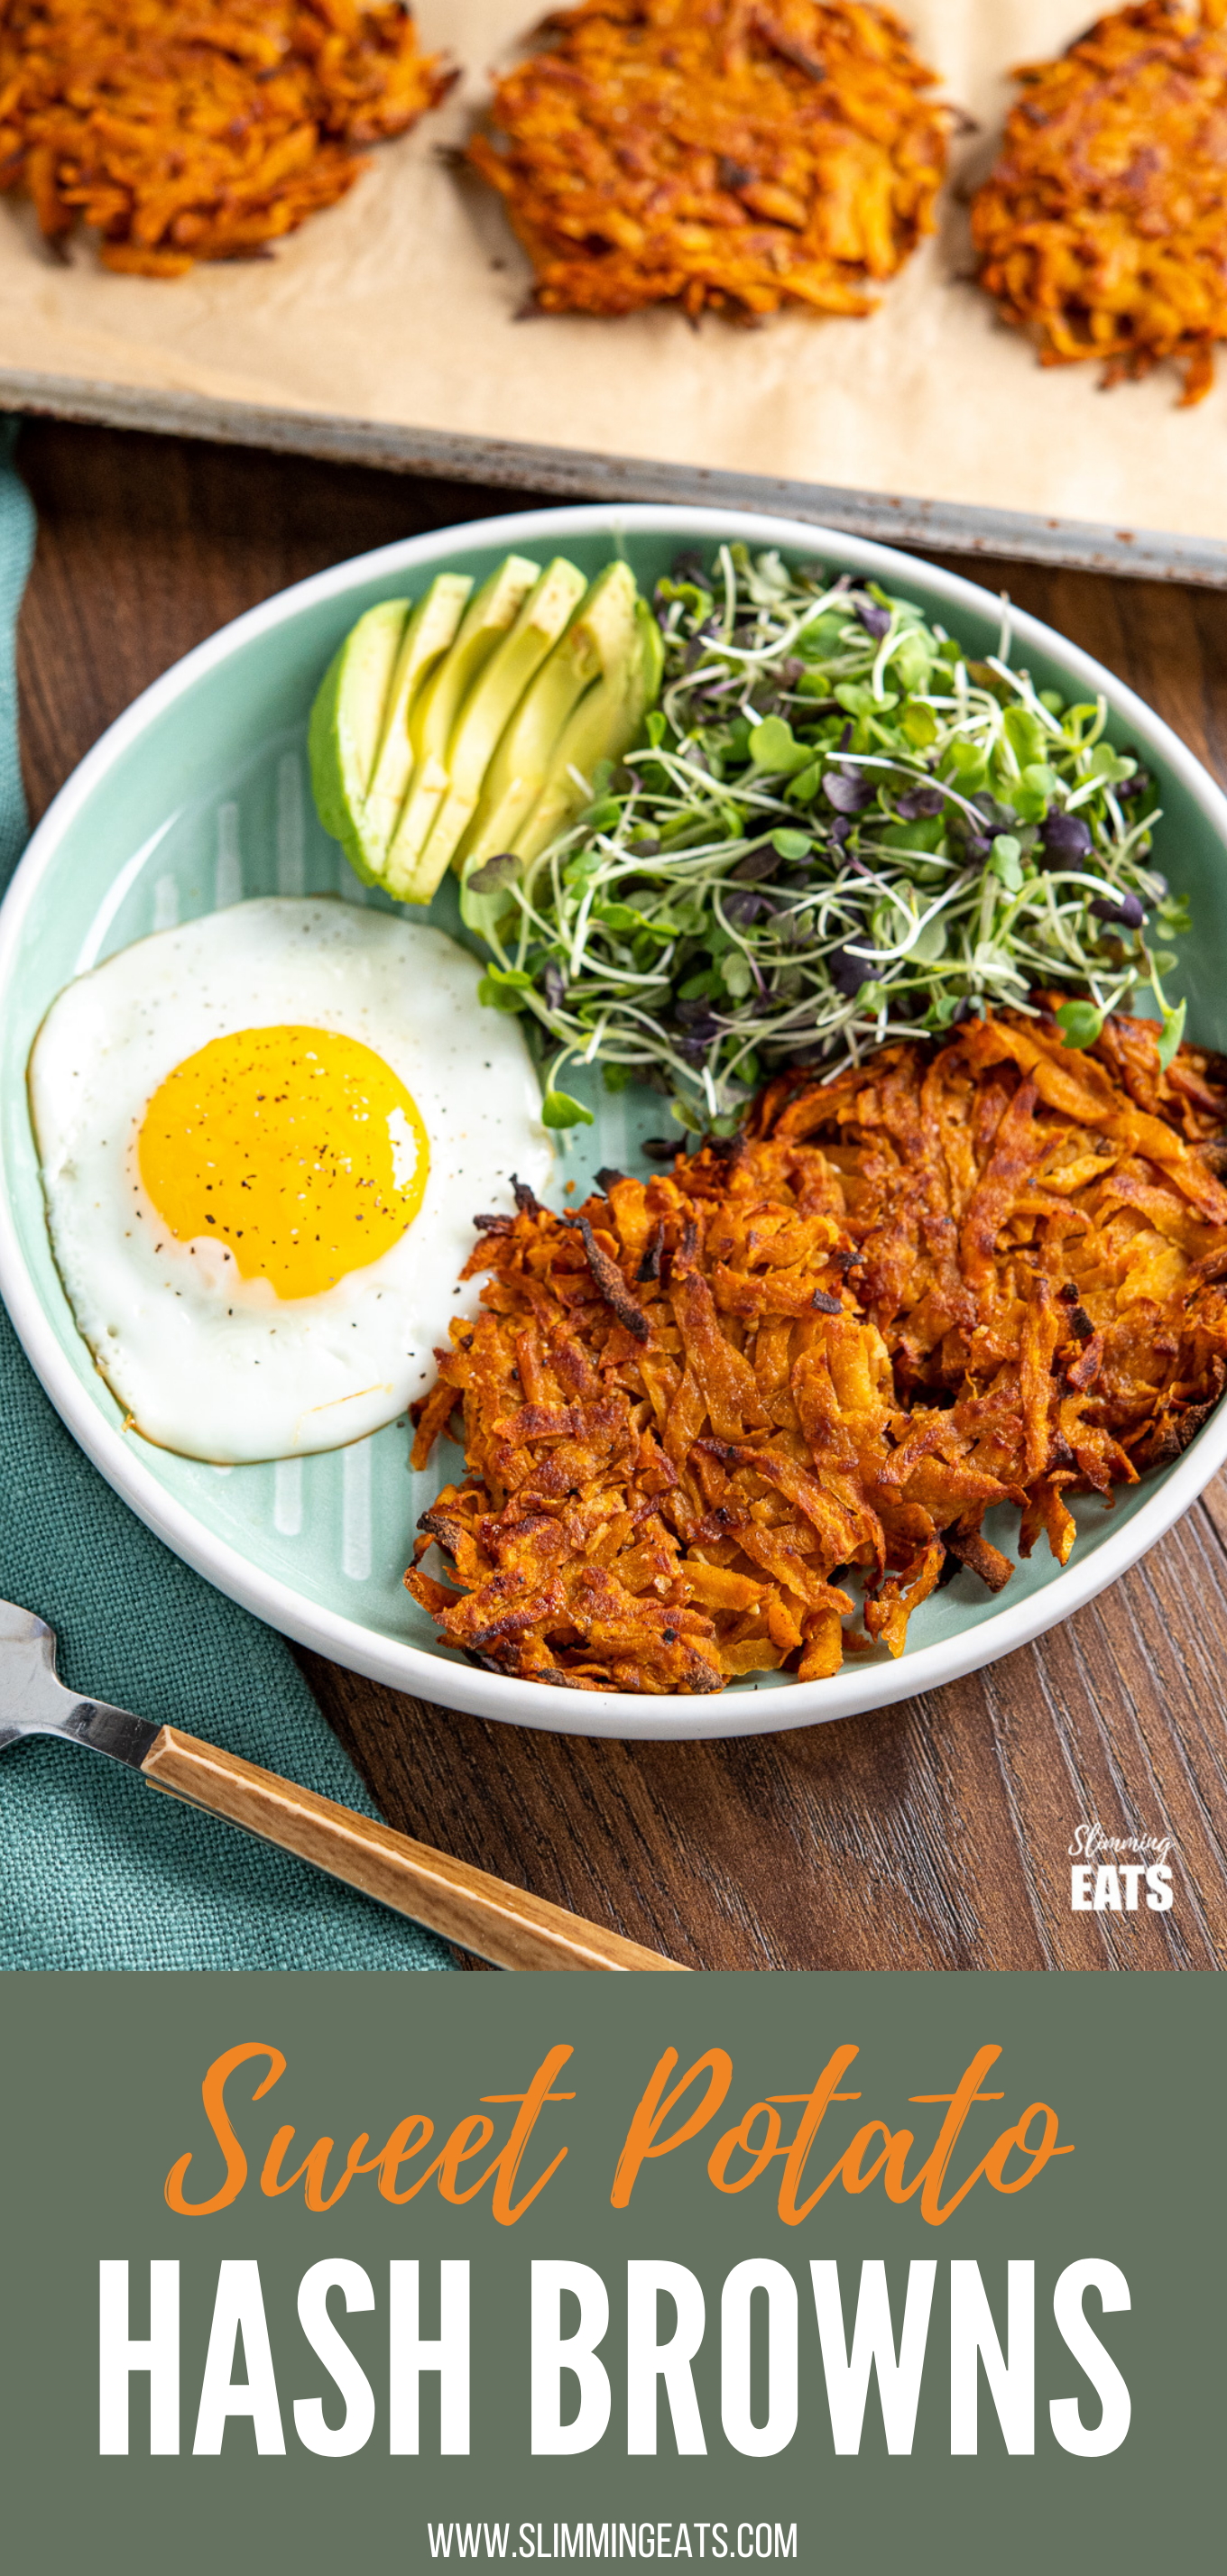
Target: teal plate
[{"x": 198, "y": 797}]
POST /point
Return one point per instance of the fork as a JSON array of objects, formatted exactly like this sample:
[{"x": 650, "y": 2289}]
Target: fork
[{"x": 500, "y": 1923}]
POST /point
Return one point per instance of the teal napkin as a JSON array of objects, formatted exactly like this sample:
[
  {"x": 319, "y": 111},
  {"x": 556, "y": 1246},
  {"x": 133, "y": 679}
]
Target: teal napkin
[{"x": 96, "y": 1870}]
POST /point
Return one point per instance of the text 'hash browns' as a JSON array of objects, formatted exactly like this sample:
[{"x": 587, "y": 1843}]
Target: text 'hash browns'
[
  {"x": 736, "y": 153},
  {"x": 199, "y": 129},
  {"x": 959, "y": 1276},
  {"x": 1103, "y": 228}
]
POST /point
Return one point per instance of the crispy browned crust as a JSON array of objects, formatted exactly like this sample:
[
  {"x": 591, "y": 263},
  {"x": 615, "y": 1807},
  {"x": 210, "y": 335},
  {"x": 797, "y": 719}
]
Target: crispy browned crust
[
  {"x": 1103, "y": 229},
  {"x": 953, "y": 1277},
  {"x": 199, "y": 129},
  {"x": 738, "y": 153}
]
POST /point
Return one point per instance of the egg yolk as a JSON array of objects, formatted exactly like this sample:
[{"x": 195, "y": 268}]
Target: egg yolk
[{"x": 298, "y": 1149}]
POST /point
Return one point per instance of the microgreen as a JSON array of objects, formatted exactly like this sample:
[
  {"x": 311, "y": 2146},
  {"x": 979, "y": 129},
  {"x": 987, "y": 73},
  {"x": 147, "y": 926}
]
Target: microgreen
[
  {"x": 559, "y": 1110},
  {"x": 839, "y": 828}
]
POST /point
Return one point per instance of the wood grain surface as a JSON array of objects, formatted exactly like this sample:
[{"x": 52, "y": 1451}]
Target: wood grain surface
[
  {"x": 933, "y": 1834},
  {"x": 506, "y": 1926}
]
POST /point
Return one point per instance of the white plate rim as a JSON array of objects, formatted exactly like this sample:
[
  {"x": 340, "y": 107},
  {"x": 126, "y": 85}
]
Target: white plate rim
[{"x": 410, "y": 1669}]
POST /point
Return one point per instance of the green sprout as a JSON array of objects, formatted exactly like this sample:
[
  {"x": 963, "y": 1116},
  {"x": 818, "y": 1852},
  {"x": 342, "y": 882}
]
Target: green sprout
[
  {"x": 839, "y": 829},
  {"x": 559, "y": 1110}
]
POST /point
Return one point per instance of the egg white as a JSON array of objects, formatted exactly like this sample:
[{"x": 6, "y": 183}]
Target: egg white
[{"x": 203, "y": 1361}]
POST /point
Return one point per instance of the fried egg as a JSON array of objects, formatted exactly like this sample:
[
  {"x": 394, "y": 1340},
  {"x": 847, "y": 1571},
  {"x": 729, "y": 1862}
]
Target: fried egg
[{"x": 263, "y": 1139}]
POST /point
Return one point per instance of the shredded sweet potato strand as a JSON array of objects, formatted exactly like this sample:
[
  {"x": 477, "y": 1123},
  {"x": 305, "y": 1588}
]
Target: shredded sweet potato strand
[
  {"x": 1103, "y": 228},
  {"x": 737, "y": 153},
  {"x": 199, "y": 129},
  {"x": 959, "y": 1276}
]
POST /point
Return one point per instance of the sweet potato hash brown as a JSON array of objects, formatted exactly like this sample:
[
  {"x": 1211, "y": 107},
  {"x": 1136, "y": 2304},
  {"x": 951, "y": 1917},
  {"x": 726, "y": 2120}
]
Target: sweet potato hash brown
[
  {"x": 955, "y": 1276},
  {"x": 737, "y": 153},
  {"x": 199, "y": 129},
  {"x": 1103, "y": 229}
]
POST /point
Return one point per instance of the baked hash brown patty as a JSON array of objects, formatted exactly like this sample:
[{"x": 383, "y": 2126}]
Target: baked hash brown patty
[
  {"x": 956, "y": 1276},
  {"x": 187, "y": 130},
  {"x": 1103, "y": 229},
  {"x": 744, "y": 154}
]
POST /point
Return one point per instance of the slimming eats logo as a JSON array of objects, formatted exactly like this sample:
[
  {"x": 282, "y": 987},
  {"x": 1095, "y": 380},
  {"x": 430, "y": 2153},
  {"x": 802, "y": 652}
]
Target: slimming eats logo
[{"x": 1110, "y": 1870}]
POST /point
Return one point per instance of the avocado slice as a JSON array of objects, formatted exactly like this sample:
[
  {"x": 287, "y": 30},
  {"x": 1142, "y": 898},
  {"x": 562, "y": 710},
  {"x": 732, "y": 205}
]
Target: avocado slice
[
  {"x": 493, "y": 700},
  {"x": 431, "y": 629},
  {"x": 433, "y": 716},
  {"x": 346, "y": 721},
  {"x": 603, "y": 726},
  {"x": 600, "y": 635}
]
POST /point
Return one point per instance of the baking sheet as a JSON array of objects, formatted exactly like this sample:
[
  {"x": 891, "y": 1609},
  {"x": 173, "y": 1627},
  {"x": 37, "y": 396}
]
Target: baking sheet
[{"x": 387, "y": 329}]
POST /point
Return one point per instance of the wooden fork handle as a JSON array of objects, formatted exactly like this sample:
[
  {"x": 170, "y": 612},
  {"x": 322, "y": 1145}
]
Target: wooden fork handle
[{"x": 500, "y": 1923}]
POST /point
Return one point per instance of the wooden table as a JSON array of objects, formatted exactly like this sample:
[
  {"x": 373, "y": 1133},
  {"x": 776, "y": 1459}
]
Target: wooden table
[{"x": 933, "y": 1834}]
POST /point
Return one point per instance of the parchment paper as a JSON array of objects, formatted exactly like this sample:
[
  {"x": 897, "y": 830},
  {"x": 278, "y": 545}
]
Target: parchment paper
[{"x": 398, "y": 308}]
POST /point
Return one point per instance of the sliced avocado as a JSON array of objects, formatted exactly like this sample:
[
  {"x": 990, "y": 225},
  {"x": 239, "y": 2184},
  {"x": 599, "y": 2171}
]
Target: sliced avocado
[
  {"x": 600, "y": 635},
  {"x": 346, "y": 723},
  {"x": 433, "y": 716},
  {"x": 603, "y": 726},
  {"x": 430, "y": 630},
  {"x": 493, "y": 700}
]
